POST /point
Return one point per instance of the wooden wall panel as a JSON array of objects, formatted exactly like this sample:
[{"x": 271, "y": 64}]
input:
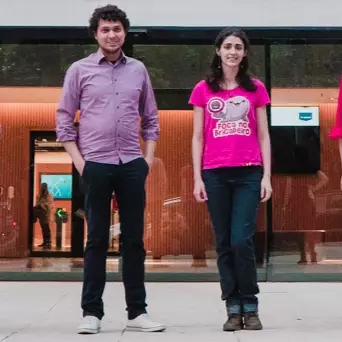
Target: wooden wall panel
[
  {"x": 16, "y": 121},
  {"x": 185, "y": 223}
]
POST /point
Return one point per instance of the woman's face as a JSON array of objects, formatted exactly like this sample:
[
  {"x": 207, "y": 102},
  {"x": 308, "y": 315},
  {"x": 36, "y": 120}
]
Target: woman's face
[{"x": 231, "y": 51}]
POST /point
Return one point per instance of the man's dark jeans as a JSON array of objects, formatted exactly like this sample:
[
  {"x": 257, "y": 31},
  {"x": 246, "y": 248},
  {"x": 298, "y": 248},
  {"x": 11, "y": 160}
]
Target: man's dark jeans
[
  {"x": 233, "y": 202},
  {"x": 128, "y": 182}
]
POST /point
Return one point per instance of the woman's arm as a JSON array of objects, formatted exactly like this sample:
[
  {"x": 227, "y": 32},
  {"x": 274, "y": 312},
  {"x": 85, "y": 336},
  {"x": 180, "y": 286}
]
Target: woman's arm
[
  {"x": 197, "y": 142},
  {"x": 197, "y": 150},
  {"x": 265, "y": 147}
]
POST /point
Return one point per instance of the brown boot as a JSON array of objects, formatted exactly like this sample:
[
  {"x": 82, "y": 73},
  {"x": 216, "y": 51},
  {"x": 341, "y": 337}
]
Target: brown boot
[
  {"x": 252, "y": 321},
  {"x": 233, "y": 323}
]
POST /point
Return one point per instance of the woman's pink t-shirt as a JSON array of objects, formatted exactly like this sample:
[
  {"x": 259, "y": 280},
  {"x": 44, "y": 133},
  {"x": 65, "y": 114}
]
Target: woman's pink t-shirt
[{"x": 230, "y": 127}]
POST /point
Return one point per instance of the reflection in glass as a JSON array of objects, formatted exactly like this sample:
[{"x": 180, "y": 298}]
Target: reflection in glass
[
  {"x": 38, "y": 64},
  {"x": 307, "y": 208},
  {"x": 178, "y": 233},
  {"x": 167, "y": 64},
  {"x": 175, "y": 225},
  {"x": 52, "y": 218}
]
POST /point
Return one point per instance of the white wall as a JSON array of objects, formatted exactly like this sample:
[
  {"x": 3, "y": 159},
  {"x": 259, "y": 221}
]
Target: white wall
[{"x": 247, "y": 13}]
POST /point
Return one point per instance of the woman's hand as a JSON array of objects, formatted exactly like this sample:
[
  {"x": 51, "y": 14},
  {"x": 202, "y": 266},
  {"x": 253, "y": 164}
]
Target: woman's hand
[
  {"x": 199, "y": 191},
  {"x": 266, "y": 189}
]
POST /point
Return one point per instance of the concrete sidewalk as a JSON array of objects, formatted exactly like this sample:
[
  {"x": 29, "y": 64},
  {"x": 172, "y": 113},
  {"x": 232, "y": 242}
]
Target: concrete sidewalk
[{"x": 192, "y": 311}]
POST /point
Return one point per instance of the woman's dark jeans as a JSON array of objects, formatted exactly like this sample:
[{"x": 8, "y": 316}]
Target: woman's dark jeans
[{"x": 233, "y": 202}]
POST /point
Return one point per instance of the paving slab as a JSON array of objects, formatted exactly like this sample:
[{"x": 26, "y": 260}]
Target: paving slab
[{"x": 50, "y": 311}]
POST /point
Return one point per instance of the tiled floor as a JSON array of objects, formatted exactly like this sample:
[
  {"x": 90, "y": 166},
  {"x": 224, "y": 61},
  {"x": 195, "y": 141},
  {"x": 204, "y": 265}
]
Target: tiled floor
[{"x": 50, "y": 312}]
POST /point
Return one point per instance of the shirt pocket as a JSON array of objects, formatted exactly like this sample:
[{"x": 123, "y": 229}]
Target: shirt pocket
[
  {"x": 96, "y": 96},
  {"x": 130, "y": 92}
]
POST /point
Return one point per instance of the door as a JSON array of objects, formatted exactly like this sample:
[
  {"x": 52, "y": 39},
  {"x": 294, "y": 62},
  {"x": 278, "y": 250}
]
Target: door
[
  {"x": 63, "y": 222},
  {"x": 50, "y": 216}
]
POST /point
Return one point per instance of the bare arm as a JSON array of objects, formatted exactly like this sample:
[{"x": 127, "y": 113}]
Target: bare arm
[
  {"x": 264, "y": 140},
  {"x": 197, "y": 150},
  {"x": 265, "y": 147},
  {"x": 197, "y": 142},
  {"x": 149, "y": 149}
]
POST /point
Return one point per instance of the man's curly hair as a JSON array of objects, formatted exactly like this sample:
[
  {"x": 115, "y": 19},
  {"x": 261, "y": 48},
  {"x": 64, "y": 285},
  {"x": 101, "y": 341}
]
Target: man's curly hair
[{"x": 108, "y": 13}]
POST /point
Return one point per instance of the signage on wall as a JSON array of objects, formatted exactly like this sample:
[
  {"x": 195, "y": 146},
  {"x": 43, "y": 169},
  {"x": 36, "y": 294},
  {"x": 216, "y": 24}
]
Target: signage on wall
[
  {"x": 60, "y": 185},
  {"x": 295, "y": 116}
]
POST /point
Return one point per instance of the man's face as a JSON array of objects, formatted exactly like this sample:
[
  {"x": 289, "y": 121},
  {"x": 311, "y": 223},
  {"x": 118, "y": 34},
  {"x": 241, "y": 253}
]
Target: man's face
[{"x": 110, "y": 36}]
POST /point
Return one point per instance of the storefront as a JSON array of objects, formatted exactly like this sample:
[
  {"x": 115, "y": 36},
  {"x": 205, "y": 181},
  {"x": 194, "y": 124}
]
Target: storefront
[{"x": 298, "y": 232}]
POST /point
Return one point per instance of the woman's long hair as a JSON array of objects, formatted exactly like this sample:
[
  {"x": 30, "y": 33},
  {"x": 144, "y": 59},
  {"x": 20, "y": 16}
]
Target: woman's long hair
[
  {"x": 216, "y": 75},
  {"x": 43, "y": 191}
]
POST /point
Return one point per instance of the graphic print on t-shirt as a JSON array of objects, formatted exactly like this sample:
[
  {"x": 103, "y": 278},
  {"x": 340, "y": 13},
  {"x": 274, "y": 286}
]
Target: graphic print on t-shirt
[{"x": 232, "y": 116}]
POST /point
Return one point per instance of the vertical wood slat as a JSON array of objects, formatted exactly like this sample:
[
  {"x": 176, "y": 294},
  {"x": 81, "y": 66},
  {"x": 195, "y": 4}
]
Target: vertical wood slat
[{"x": 16, "y": 121}]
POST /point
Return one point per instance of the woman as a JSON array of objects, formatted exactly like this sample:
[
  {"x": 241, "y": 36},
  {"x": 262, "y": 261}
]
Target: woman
[
  {"x": 231, "y": 159},
  {"x": 43, "y": 210}
]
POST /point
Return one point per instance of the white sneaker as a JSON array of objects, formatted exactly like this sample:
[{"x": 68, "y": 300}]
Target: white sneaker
[
  {"x": 89, "y": 325},
  {"x": 144, "y": 323}
]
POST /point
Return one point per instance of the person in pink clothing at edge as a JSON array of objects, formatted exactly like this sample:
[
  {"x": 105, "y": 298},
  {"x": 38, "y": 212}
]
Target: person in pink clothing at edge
[
  {"x": 231, "y": 159},
  {"x": 336, "y": 132}
]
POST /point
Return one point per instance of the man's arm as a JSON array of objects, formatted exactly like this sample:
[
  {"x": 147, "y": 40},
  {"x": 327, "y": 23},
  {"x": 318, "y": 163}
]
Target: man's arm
[
  {"x": 149, "y": 119},
  {"x": 65, "y": 116}
]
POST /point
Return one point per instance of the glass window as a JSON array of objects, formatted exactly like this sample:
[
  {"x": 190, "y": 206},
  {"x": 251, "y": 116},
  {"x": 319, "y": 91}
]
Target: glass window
[
  {"x": 52, "y": 214},
  {"x": 307, "y": 201},
  {"x": 38, "y": 65},
  {"x": 177, "y": 228},
  {"x": 306, "y": 66},
  {"x": 175, "y": 69},
  {"x": 175, "y": 66},
  {"x": 182, "y": 66}
]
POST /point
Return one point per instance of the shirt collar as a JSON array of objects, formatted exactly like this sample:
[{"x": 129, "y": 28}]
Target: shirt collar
[{"x": 100, "y": 57}]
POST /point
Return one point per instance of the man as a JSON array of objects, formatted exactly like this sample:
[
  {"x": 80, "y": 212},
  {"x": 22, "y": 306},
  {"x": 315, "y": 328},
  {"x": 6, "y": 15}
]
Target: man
[{"x": 113, "y": 92}]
